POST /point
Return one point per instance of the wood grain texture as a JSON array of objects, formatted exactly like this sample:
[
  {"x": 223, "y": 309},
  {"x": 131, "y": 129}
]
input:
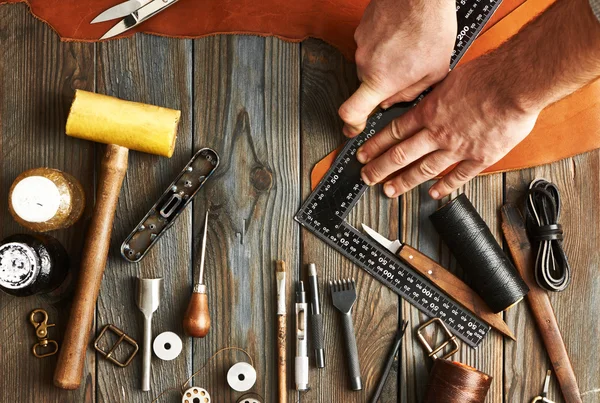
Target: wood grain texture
[
  {"x": 486, "y": 195},
  {"x": 247, "y": 91},
  {"x": 270, "y": 109},
  {"x": 578, "y": 181},
  {"x": 156, "y": 71},
  {"x": 327, "y": 81},
  {"x": 38, "y": 75}
]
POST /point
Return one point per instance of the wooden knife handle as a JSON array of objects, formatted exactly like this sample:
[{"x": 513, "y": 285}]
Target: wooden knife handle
[
  {"x": 69, "y": 368},
  {"x": 457, "y": 289},
  {"x": 513, "y": 227}
]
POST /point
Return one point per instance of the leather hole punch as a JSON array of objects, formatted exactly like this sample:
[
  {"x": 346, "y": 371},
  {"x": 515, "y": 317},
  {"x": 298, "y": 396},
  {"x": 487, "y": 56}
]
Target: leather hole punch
[
  {"x": 41, "y": 332},
  {"x": 122, "y": 338},
  {"x": 451, "y": 340}
]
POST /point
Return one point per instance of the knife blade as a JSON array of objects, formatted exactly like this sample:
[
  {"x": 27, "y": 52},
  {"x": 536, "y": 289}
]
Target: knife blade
[
  {"x": 120, "y": 10},
  {"x": 392, "y": 246}
]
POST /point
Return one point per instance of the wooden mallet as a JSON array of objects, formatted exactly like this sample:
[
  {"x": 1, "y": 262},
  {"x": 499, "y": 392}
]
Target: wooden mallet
[{"x": 123, "y": 126}]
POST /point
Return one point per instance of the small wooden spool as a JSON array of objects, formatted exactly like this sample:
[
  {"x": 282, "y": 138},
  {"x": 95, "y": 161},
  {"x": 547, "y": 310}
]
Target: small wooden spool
[{"x": 45, "y": 199}]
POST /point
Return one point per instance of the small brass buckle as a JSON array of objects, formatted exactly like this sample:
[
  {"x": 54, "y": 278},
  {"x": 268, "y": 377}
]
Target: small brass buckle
[
  {"x": 122, "y": 338},
  {"x": 433, "y": 352},
  {"x": 41, "y": 332}
]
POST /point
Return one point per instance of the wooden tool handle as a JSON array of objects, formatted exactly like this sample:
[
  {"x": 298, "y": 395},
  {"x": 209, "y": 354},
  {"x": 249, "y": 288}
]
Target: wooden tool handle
[
  {"x": 196, "y": 322},
  {"x": 454, "y": 287},
  {"x": 281, "y": 358},
  {"x": 69, "y": 368},
  {"x": 513, "y": 227}
]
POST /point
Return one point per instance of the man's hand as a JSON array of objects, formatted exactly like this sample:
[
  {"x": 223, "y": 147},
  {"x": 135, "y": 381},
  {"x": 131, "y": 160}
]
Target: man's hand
[
  {"x": 404, "y": 47},
  {"x": 454, "y": 124},
  {"x": 485, "y": 107}
]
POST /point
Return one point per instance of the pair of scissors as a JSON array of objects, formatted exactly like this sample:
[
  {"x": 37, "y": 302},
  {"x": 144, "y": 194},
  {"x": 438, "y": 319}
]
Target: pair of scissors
[{"x": 134, "y": 12}]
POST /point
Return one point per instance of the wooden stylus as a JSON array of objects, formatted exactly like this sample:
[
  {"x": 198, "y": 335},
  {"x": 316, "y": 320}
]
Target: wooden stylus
[
  {"x": 513, "y": 227},
  {"x": 281, "y": 331},
  {"x": 196, "y": 321}
]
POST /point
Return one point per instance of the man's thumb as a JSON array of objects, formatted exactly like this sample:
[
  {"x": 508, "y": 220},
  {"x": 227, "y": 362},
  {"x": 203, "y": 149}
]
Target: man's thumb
[{"x": 355, "y": 111}]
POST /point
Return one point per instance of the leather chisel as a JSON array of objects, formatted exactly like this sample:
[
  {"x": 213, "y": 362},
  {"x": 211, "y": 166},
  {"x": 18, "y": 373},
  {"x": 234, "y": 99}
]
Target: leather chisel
[{"x": 442, "y": 278}]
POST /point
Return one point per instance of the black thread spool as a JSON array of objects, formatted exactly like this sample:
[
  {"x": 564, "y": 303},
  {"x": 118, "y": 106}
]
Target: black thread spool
[
  {"x": 454, "y": 382},
  {"x": 492, "y": 274}
]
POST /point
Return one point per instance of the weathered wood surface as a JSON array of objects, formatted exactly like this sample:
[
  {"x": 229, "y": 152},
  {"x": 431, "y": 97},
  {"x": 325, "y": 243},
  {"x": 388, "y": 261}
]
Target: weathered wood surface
[
  {"x": 38, "y": 75},
  {"x": 246, "y": 108},
  {"x": 269, "y": 108},
  {"x": 327, "y": 81},
  {"x": 156, "y": 71}
]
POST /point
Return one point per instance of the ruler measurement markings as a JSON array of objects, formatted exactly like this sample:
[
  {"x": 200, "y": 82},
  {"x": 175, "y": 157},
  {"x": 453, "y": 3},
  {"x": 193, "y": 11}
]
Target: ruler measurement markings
[
  {"x": 392, "y": 272},
  {"x": 338, "y": 192}
]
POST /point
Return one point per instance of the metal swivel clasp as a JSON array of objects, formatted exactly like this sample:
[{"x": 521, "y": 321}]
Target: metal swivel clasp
[
  {"x": 41, "y": 332},
  {"x": 543, "y": 398}
]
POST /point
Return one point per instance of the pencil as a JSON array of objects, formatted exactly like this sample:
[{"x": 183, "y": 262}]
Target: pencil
[{"x": 281, "y": 331}]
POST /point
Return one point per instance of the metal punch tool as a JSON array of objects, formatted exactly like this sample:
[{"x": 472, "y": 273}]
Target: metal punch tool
[
  {"x": 149, "y": 292},
  {"x": 133, "y": 12}
]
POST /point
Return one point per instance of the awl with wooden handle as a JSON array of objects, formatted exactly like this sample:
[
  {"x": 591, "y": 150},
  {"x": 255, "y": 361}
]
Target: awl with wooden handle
[
  {"x": 513, "y": 227},
  {"x": 196, "y": 322}
]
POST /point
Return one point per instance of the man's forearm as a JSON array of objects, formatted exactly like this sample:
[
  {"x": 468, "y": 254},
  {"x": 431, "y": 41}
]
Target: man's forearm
[{"x": 553, "y": 56}]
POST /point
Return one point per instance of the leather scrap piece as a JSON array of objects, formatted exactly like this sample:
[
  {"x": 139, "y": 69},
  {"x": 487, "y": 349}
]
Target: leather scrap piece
[{"x": 332, "y": 21}]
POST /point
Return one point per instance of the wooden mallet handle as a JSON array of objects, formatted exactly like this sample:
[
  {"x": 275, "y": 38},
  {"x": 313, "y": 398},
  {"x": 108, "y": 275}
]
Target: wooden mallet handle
[{"x": 69, "y": 369}]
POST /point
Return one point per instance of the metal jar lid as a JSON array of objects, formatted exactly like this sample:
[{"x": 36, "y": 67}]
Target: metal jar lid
[{"x": 19, "y": 265}]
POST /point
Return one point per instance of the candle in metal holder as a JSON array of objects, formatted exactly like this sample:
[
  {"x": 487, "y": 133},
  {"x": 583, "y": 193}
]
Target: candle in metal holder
[{"x": 45, "y": 199}]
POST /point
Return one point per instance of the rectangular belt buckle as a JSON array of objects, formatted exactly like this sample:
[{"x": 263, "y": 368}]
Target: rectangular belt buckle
[
  {"x": 450, "y": 340},
  {"x": 122, "y": 338}
]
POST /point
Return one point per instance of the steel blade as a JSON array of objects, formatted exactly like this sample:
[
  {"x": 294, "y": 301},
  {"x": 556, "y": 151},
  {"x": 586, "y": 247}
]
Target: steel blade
[
  {"x": 117, "y": 30},
  {"x": 119, "y": 11},
  {"x": 392, "y": 246}
]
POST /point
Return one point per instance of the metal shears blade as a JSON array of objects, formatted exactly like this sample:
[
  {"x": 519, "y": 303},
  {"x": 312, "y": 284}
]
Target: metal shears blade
[
  {"x": 139, "y": 15},
  {"x": 120, "y": 10},
  {"x": 392, "y": 246}
]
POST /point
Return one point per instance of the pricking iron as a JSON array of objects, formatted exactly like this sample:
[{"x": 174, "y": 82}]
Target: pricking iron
[{"x": 170, "y": 205}]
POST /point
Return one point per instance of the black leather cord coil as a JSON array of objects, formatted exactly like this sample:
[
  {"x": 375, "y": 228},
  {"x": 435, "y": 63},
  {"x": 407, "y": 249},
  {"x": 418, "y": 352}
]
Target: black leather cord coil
[
  {"x": 552, "y": 270},
  {"x": 491, "y": 272}
]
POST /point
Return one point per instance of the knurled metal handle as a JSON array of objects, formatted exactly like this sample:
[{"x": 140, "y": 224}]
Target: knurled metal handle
[{"x": 353, "y": 365}]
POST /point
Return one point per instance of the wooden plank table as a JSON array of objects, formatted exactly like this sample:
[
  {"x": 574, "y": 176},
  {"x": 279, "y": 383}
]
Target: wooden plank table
[{"x": 270, "y": 109}]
